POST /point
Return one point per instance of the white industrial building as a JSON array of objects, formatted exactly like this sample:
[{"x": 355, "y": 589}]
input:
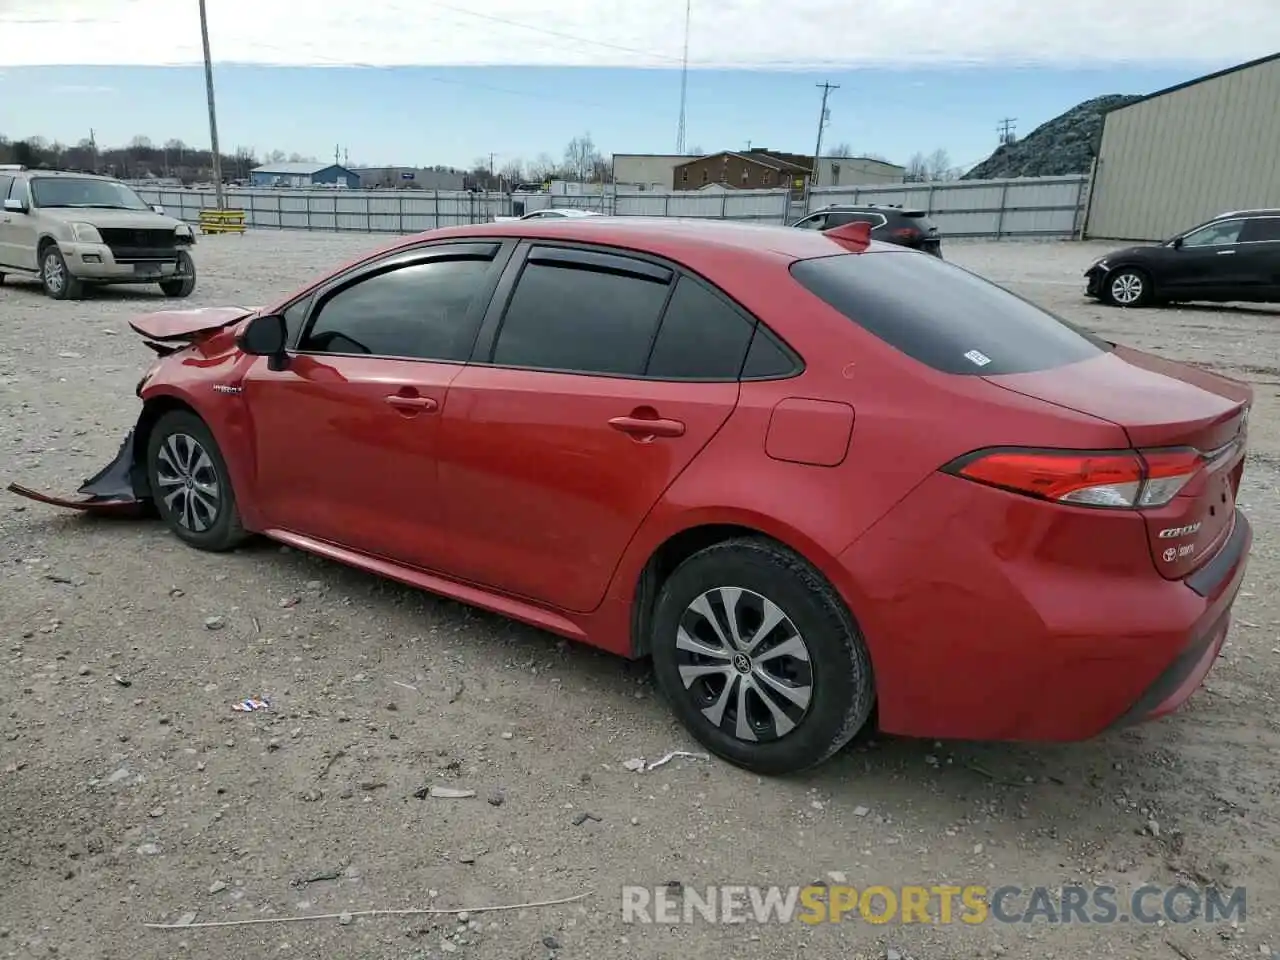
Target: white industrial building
[
  {"x": 656, "y": 171},
  {"x": 1180, "y": 156}
]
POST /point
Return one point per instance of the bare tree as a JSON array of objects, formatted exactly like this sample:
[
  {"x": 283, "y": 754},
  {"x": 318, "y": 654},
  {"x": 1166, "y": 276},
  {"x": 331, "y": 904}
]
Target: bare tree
[
  {"x": 512, "y": 171},
  {"x": 917, "y": 168},
  {"x": 542, "y": 168},
  {"x": 580, "y": 157},
  {"x": 841, "y": 149},
  {"x": 938, "y": 165},
  {"x": 697, "y": 151}
]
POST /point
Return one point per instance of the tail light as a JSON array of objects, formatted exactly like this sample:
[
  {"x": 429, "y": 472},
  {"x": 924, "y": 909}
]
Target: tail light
[
  {"x": 1109, "y": 478},
  {"x": 905, "y": 233}
]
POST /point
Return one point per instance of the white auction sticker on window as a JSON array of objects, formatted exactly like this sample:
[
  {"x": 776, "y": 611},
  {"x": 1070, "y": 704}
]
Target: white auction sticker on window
[{"x": 981, "y": 359}]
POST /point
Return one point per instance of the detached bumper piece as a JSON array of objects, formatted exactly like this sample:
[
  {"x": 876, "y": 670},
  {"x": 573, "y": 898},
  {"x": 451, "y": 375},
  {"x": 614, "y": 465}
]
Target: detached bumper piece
[{"x": 112, "y": 490}]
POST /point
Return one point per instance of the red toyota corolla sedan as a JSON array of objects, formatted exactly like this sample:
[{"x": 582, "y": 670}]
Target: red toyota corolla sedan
[{"x": 807, "y": 474}]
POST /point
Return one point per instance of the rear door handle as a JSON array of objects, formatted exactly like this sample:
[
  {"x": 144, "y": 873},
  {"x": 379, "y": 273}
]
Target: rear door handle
[
  {"x": 401, "y": 402},
  {"x": 642, "y": 427}
]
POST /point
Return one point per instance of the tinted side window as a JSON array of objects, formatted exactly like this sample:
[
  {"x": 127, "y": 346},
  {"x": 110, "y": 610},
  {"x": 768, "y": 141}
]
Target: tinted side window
[
  {"x": 701, "y": 337},
  {"x": 1260, "y": 229},
  {"x": 839, "y": 219},
  {"x": 5, "y": 180},
  {"x": 421, "y": 311},
  {"x": 1214, "y": 235},
  {"x": 293, "y": 319},
  {"x": 565, "y": 317},
  {"x": 818, "y": 222},
  {"x": 941, "y": 315},
  {"x": 766, "y": 358}
]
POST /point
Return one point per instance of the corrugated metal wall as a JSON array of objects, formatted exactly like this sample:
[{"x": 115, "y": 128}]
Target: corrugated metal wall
[
  {"x": 1168, "y": 163},
  {"x": 1034, "y": 207}
]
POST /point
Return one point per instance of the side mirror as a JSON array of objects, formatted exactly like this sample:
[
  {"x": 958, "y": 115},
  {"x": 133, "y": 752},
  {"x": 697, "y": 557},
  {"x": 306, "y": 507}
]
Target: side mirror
[
  {"x": 157, "y": 208},
  {"x": 14, "y": 206},
  {"x": 266, "y": 336},
  {"x": 1177, "y": 243}
]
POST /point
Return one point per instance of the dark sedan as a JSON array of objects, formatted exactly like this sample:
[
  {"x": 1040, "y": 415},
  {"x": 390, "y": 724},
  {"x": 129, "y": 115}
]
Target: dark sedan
[
  {"x": 1233, "y": 257},
  {"x": 903, "y": 226}
]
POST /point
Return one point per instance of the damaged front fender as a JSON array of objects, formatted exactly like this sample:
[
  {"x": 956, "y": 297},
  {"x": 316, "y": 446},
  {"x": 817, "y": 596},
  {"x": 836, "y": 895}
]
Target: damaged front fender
[{"x": 118, "y": 488}]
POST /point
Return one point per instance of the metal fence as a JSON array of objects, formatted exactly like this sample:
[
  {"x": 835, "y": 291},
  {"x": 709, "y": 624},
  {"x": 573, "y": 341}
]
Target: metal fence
[{"x": 1033, "y": 207}]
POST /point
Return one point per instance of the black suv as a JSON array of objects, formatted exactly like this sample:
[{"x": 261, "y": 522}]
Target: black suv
[
  {"x": 1234, "y": 256},
  {"x": 893, "y": 224}
]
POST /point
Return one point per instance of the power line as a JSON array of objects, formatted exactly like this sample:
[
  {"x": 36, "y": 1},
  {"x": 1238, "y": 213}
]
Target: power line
[
  {"x": 684, "y": 78},
  {"x": 1005, "y": 129},
  {"x": 565, "y": 36}
]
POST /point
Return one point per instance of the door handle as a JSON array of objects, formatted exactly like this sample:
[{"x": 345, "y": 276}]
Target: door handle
[
  {"x": 647, "y": 428},
  {"x": 1225, "y": 253},
  {"x": 419, "y": 404}
]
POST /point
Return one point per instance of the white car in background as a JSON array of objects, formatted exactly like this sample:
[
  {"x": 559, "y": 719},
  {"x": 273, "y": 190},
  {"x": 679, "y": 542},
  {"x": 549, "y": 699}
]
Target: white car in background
[{"x": 551, "y": 213}]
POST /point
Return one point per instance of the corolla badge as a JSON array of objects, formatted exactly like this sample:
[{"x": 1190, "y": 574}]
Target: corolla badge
[
  {"x": 226, "y": 388},
  {"x": 1170, "y": 533}
]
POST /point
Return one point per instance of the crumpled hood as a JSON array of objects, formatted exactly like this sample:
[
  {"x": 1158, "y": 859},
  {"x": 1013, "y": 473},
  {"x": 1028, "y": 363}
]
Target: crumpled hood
[{"x": 188, "y": 324}]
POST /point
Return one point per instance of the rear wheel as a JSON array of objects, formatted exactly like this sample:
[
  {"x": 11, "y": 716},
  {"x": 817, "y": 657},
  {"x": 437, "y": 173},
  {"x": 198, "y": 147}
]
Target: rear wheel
[
  {"x": 190, "y": 483},
  {"x": 1128, "y": 287},
  {"x": 57, "y": 280},
  {"x": 184, "y": 282},
  {"x": 759, "y": 658}
]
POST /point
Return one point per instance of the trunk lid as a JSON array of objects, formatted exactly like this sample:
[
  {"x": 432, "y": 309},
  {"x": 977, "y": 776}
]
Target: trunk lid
[{"x": 1162, "y": 404}]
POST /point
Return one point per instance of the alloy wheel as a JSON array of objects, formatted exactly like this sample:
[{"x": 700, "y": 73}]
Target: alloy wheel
[
  {"x": 55, "y": 277},
  {"x": 1127, "y": 289},
  {"x": 744, "y": 663},
  {"x": 188, "y": 482}
]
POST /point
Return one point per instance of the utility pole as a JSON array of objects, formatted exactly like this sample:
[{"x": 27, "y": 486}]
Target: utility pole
[
  {"x": 684, "y": 78},
  {"x": 1005, "y": 129},
  {"x": 213, "y": 112},
  {"x": 748, "y": 146},
  {"x": 823, "y": 116},
  {"x": 93, "y": 150}
]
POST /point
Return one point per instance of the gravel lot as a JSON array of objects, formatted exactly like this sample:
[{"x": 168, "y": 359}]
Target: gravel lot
[{"x": 143, "y": 800}]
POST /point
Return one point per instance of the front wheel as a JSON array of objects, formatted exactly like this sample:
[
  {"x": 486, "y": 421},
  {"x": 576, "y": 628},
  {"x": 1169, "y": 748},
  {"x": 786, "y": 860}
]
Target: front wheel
[
  {"x": 1128, "y": 287},
  {"x": 183, "y": 283},
  {"x": 190, "y": 483},
  {"x": 759, "y": 658},
  {"x": 56, "y": 279}
]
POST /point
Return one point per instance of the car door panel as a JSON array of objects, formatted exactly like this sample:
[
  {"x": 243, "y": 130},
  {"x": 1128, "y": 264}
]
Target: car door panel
[
  {"x": 346, "y": 435},
  {"x": 1260, "y": 257},
  {"x": 345, "y": 449},
  {"x": 1208, "y": 263},
  {"x": 544, "y": 481},
  {"x": 547, "y": 474}
]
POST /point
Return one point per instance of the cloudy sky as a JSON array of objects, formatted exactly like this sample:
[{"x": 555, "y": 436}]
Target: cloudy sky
[{"x": 948, "y": 71}]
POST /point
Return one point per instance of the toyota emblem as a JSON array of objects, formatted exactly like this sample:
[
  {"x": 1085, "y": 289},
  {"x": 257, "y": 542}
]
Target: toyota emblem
[{"x": 1170, "y": 555}]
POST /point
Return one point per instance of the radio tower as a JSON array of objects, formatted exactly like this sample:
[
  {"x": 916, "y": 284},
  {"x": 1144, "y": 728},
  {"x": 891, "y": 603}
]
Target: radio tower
[{"x": 684, "y": 78}]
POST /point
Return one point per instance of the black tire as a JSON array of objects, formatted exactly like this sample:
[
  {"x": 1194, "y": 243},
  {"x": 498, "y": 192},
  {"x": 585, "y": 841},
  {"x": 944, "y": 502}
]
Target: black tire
[
  {"x": 184, "y": 283},
  {"x": 56, "y": 279},
  {"x": 837, "y": 672},
  {"x": 1128, "y": 287},
  {"x": 184, "y": 506}
]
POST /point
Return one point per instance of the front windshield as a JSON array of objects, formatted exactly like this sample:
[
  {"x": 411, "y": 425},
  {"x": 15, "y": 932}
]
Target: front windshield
[{"x": 85, "y": 192}]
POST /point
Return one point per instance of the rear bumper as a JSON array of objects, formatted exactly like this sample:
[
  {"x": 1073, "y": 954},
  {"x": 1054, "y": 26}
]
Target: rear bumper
[
  {"x": 992, "y": 617},
  {"x": 1218, "y": 581}
]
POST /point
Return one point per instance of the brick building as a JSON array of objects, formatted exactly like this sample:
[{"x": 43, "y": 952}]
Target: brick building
[{"x": 764, "y": 169}]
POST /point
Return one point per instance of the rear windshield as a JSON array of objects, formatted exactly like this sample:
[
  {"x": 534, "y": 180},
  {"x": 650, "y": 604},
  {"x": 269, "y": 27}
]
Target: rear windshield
[
  {"x": 921, "y": 219},
  {"x": 944, "y": 316}
]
